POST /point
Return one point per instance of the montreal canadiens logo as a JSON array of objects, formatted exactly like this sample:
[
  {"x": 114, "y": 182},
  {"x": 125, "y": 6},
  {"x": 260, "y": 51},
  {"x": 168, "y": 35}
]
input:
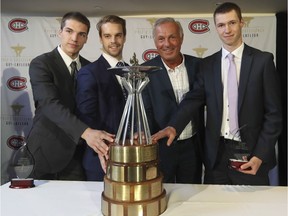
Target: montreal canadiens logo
[
  {"x": 15, "y": 142},
  {"x": 149, "y": 54},
  {"x": 199, "y": 26},
  {"x": 18, "y": 25},
  {"x": 17, "y": 83}
]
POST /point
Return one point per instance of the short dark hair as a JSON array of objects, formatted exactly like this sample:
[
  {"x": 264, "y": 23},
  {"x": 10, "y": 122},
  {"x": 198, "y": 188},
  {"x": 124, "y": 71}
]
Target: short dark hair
[
  {"x": 75, "y": 16},
  {"x": 167, "y": 20},
  {"x": 111, "y": 19},
  {"x": 227, "y": 7}
]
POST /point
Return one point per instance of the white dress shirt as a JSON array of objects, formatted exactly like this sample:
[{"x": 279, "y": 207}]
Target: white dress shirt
[
  {"x": 180, "y": 83},
  {"x": 68, "y": 60},
  {"x": 225, "y": 130}
]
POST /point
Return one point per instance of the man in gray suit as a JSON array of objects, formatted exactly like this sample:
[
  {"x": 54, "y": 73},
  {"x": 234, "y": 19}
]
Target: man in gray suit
[
  {"x": 56, "y": 131},
  {"x": 180, "y": 162},
  {"x": 258, "y": 109}
]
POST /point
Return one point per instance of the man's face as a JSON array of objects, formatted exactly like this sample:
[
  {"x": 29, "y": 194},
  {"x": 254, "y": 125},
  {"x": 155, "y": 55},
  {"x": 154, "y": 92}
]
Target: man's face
[
  {"x": 73, "y": 37},
  {"x": 229, "y": 29},
  {"x": 168, "y": 42},
  {"x": 112, "y": 39}
]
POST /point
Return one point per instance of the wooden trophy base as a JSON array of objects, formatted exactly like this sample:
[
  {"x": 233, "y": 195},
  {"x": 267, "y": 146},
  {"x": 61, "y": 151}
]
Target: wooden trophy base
[{"x": 22, "y": 183}]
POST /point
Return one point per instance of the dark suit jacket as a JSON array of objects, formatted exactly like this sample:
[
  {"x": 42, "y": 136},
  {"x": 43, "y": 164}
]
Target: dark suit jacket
[
  {"x": 259, "y": 105},
  {"x": 100, "y": 102},
  {"x": 56, "y": 130},
  {"x": 159, "y": 98}
]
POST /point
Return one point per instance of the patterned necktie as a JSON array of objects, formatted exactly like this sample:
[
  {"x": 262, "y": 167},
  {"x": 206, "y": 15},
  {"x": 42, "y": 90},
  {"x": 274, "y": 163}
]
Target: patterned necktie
[
  {"x": 120, "y": 64},
  {"x": 232, "y": 87},
  {"x": 74, "y": 71}
]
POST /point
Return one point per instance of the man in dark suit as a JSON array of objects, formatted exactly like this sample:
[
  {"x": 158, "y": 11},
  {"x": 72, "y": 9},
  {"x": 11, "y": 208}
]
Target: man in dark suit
[
  {"x": 100, "y": 100},
  {"x": 56, "y": 131},
  {"x": 258, "y": 108},
  {"x": 181, "y": 162}
]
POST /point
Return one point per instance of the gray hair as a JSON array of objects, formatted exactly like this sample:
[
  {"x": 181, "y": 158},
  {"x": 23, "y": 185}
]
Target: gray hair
[{"x": 167, "y": 20}]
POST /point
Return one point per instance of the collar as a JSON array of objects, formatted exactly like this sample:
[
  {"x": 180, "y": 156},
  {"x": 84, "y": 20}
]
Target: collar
[
  {"x": 111, "y": 60},
  {"x": 67, "y": 58},
  {"x": 180, "y": 66},
  {"x": 237, "y": 52}
]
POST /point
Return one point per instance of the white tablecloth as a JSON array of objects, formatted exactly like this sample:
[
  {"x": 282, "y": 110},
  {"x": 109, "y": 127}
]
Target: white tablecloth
[{"x": 69, "y": 198}]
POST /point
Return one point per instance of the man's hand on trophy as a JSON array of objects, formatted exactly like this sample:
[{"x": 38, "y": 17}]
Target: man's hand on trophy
[
  {"x": 169, "y": 132},
  {"x": 98, "y": 140},
  {"x": 136, "y": 135}
]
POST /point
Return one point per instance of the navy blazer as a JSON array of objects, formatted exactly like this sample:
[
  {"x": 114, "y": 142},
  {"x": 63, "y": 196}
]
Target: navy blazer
[
  {"x": 56, "y": 130},
  {"x": 159, "y": 98},
  {"x": 100, "y": 101},
  {"x": 259, "y": 104}
]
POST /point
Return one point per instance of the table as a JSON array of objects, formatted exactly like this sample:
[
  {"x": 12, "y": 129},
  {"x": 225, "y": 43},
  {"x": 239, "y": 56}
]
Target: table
[{"x": 72, "y": 198}]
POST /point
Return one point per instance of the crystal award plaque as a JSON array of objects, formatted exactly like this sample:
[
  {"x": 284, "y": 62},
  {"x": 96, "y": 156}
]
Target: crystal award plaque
[
  {"x": 23, "y": 165},
  {"x": 133, "y": 182},
  {"x": 239, "y": 151}
]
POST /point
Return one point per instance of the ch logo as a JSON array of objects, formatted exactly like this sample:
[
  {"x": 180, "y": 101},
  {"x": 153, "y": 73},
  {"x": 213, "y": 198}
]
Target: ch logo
[
  {"x": 18, "y": 25},
  {"x": 199, "y": 26},
  {"x": 17, "y": 83}
]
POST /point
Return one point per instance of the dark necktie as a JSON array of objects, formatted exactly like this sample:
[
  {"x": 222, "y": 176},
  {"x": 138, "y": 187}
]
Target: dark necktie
[
  {"x": 232, "y": 87},
  {"x": 74, "y": 71},
  {"x": 120, "y": 64}
]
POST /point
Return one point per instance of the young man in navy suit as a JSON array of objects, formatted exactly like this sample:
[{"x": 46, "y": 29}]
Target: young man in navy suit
[
  {"x": 56, "y": 131},
  {"x": 258, "y": 108},
  {"x": 181, "y": 162},
  {"x": 100, "y": 99}
]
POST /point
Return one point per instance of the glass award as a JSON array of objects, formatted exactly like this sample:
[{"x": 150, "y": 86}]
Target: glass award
[
  {"x": 23, "y": 165},
  {"x": 239, "y": 151}
]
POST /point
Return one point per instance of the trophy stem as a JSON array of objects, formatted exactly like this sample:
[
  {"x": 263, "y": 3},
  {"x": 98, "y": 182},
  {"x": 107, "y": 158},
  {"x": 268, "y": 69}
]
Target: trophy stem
[
  {"x": 139, "y": 119},
  {"x": 125, "y": 112},
  {"x": 145, "y": 121},
  {"x": 134, "y": 116},
  {"x": 132, "y": 120}
]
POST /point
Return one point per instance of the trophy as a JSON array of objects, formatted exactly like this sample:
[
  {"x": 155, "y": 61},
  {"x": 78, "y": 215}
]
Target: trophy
[
  {"x": 239, "y": 151},
  {"x": 133, "y": 182},
  {"x": 23, "y": 165}
]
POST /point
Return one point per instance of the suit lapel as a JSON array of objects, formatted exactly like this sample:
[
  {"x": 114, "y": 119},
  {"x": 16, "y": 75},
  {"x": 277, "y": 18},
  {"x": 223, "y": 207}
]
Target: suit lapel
[
  {"x": 244, "y": 74},
  {"x": 115, "y": 83},
  {"x": 218, "y": 79},
  {"x": 163, "y": 74},
  {"x": 60, "y": 63},
  {"x": 62, "y": 68},
  {"x": 190, "y": 67}
]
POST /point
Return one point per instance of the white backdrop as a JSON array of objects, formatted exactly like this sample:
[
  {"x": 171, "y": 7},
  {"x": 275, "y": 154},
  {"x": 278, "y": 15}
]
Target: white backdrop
[{"x": 23, "y": 38}]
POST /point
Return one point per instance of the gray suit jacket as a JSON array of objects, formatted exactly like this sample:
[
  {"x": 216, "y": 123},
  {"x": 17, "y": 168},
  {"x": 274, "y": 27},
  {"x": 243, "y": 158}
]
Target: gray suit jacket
[{"x": 56, "y": 130}]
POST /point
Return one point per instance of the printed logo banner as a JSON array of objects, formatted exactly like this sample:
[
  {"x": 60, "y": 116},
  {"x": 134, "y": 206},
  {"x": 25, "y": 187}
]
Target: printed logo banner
[{"x": 24, "y": 38}]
